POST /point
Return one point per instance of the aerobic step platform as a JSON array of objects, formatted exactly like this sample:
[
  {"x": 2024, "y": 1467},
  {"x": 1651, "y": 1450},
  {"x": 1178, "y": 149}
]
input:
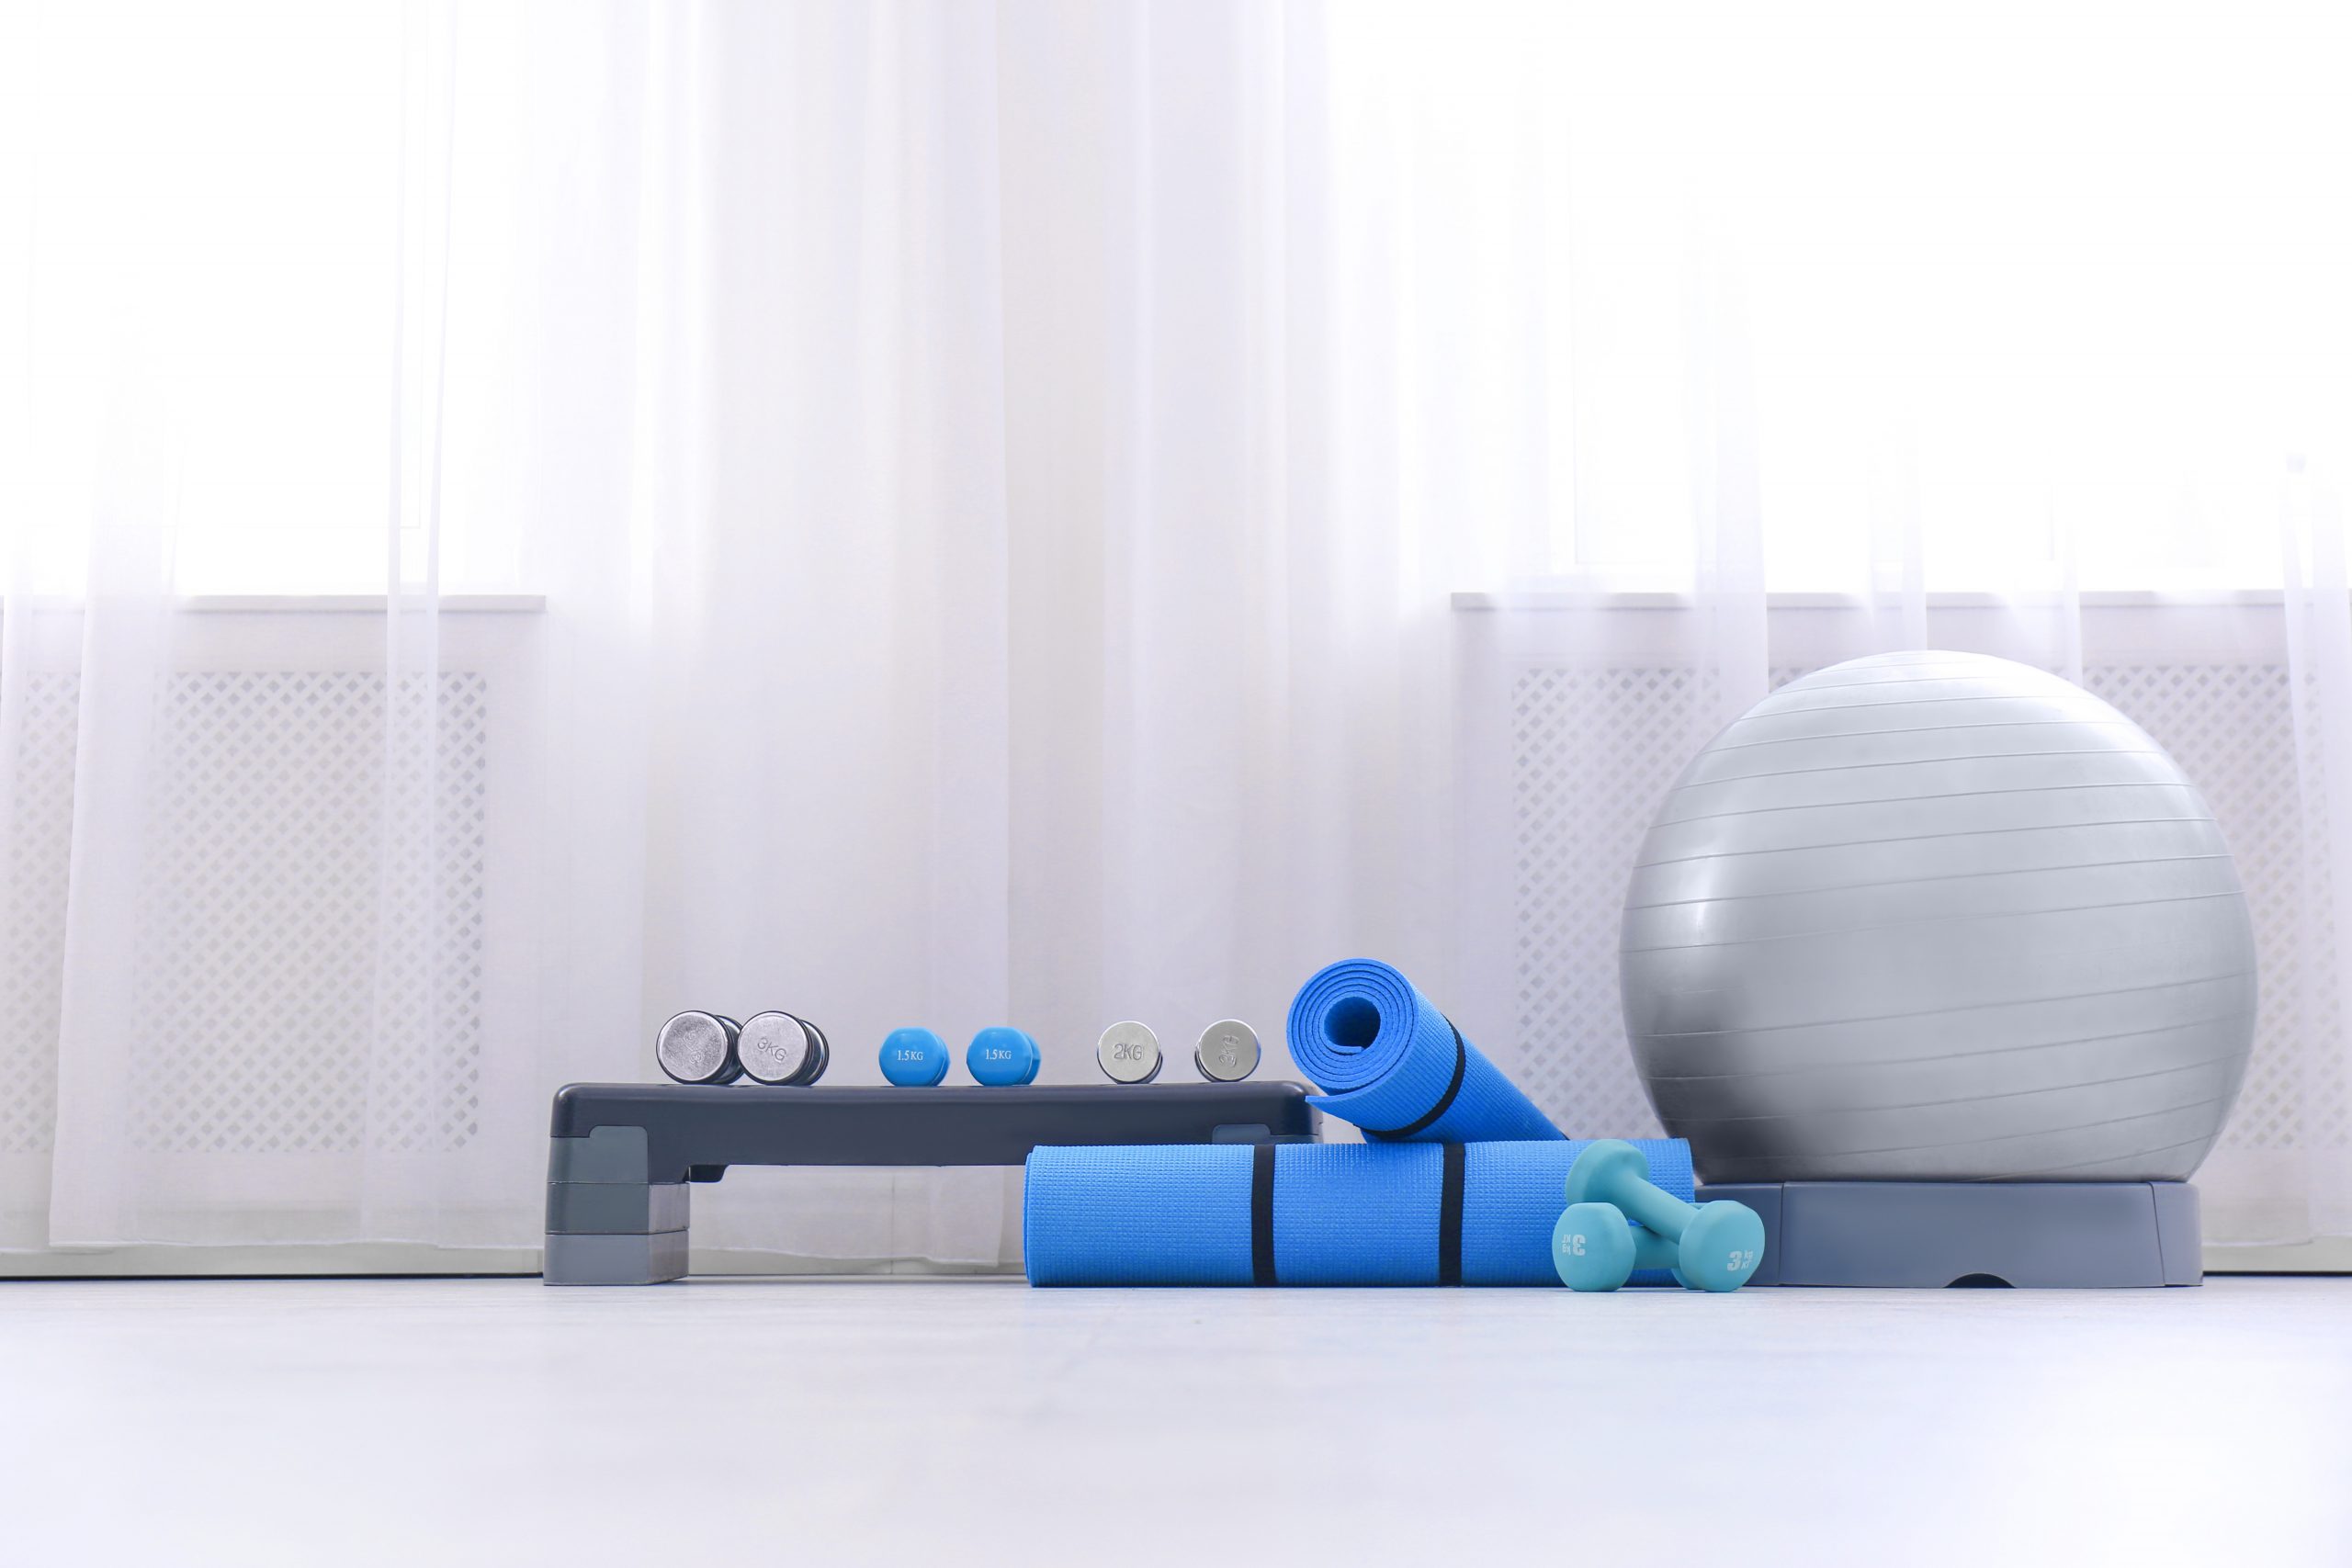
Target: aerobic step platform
[
  {"x": 623, "y": 1155},
  {"x": 1928, "y": 1234}
]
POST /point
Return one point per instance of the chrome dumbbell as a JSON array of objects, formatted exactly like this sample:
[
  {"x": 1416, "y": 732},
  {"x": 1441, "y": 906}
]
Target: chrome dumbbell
[
  {"x": 1228, "y": 1051},
  {"x": 699, "y": 1048},
  {"x": 1128, "y": 1052},
  {"x": 782, "y": 1048}
]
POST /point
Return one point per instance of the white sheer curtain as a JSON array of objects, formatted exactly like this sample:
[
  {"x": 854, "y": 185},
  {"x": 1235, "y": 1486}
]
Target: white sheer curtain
[
  {"x": 1930, "y": 326},
  {"x": 948, "y": 513},
  {"x": 963, "y": 600}
]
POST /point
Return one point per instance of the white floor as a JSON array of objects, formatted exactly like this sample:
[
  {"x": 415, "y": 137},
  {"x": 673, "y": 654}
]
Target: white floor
[{"x": 717, "y": 1423}]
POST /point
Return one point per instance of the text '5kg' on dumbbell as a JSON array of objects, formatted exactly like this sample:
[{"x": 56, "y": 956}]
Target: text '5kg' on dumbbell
[{"x": 1716, "y": 1246}]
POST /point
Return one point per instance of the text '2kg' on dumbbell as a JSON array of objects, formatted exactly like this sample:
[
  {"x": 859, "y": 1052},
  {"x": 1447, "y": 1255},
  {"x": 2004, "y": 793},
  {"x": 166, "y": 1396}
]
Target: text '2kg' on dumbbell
[
  {"x": 1128, "y": 1052},
  {"x": 1226, "y": 1052},
  {"x": 1710, "y": 1246}
]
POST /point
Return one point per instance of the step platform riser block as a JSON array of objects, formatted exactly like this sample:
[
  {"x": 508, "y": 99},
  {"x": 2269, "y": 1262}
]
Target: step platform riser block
[{"x": 595, "y": 1208}]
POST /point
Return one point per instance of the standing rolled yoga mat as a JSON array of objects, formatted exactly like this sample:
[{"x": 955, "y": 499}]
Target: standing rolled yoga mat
[
  {"x": 1389, "y": 1062},
  {"x": 1308, "y": 1213}
]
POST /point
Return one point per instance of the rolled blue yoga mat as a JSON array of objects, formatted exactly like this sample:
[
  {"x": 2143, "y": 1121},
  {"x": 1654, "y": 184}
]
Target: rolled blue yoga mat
[
  {"x": 1415, "y": 1213},
  {"x": 1389, "y": 1062}
]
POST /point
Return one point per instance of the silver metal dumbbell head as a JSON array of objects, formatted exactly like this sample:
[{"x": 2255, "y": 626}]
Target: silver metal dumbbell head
[
  {"x": 1228, "y": 1051},
  {"x": 699, "y": 1047},
  {"x": 779, "y": 1048},
  {"x": 1128, "y": 1052}
]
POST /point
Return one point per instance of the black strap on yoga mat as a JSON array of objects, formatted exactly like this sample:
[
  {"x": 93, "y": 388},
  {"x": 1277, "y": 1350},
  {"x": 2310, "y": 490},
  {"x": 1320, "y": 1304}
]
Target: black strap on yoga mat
[
  {"x": 1461, "y": 1065},
  {"x": 1450, "y": 1181},
  {"x": 1449, "y": 1217},
  {"x": 1262, "y": 1215}
]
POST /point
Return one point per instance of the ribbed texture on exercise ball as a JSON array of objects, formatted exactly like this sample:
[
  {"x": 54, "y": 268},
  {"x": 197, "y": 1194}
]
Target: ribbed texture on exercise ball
[{"x": 1937, "y": 916}]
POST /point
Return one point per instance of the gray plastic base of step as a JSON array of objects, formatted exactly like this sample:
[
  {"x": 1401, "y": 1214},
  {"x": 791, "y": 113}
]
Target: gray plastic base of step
[
  {"x": 1930, "y": 1234},
  {"x": 613, "y": 1208},
  {"x": 615, "y": 1260}
]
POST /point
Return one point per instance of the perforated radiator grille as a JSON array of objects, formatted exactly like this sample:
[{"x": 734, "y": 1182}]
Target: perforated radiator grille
[
  {"x": 1595, "y": 750},
  {"x": 269, "y": 872},
  {"x": 39, "y": 847},
  {"x": 2232, "y": 729}
]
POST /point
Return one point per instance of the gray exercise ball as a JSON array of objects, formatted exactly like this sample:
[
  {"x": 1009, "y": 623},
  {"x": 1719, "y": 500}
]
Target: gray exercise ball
[{"x": 1938, "y": 917}]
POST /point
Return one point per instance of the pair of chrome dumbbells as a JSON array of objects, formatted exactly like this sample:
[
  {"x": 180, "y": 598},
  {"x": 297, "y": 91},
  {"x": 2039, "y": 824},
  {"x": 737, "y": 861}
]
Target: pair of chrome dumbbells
[
  {"x": 767, "y": 1047},
  {"x": 1225, "y": 1053},
  {"x": 1709, "y": 1246}
]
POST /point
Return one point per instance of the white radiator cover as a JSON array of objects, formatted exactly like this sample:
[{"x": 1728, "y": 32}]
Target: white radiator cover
[
  {"x": 265, "y": 884},
  {"x": 1589, "y": 745}
]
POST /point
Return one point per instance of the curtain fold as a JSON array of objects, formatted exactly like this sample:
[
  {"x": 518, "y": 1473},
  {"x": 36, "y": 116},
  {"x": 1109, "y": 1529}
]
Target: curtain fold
[
  {"x": 950, "y": 514},
  {"x": 2302, "y": 1187}
]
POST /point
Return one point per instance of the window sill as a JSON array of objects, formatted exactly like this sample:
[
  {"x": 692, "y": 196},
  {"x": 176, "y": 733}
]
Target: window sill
[
  {"x": 360, "y": 604},
  {"x": 2102, "y": 599}
]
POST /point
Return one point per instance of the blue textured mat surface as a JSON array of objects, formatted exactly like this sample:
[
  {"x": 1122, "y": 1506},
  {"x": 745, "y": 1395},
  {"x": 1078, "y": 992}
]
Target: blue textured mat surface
[
  {"x": 1329, "y": 1214},
  {"x": 1389, "y": 1062}
]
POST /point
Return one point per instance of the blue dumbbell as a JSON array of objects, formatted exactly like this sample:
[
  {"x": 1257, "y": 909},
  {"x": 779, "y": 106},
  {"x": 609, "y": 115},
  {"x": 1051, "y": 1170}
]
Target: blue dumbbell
[
  {"x": 1001, "y": 1056},
  {"x": 914, "y": 1058},
  {"x": 1716, "y": 1246},
  {"x": 1595, "y": 1249}
]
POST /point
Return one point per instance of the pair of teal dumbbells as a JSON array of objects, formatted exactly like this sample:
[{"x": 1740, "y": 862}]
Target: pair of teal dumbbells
[
  {"x": 1001, "y": 1056},
  {"x": 1710, "y": 1246}
]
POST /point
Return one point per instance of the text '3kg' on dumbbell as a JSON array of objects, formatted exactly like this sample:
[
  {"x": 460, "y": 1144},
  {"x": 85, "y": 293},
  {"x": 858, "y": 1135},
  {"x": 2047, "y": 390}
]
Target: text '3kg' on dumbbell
[
  {"x": 773, "y": 1048},
  {"x": 782, "y": 1049},
  {"x": 1710, "y": 1246}
]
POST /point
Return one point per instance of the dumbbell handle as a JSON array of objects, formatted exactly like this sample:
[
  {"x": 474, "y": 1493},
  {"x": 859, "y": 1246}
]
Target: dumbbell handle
[
  {"x": 1652, "y": 1250},
  {"x": 1646, "y": 1203}
]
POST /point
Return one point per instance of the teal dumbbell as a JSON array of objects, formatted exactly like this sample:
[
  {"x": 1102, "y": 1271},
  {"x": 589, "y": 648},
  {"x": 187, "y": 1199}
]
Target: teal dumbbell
[
  {"x": 1595, "y": 1249},
  {"x": 1716, "y": 1246}
]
